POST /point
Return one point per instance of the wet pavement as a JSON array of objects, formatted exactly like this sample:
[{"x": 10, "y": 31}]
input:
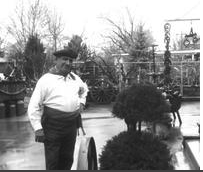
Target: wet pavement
[{"x": 18, "y": 151}]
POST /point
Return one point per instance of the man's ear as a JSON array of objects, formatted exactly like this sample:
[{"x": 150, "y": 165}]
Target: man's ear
[{"x": 57, "y": 61}]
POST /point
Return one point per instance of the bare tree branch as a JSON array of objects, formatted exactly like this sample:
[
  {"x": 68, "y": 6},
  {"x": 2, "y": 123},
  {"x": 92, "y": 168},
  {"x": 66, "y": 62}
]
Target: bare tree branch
[
  {"x": 27, "y": 22},
  {"x": 130, "y": 39},
  {"x": 55, "y": 28}
]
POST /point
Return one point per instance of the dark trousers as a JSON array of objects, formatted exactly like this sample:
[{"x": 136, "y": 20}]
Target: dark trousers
[
  {"x": 59, "y": 153},
  {"x": 60, "y": 137}
]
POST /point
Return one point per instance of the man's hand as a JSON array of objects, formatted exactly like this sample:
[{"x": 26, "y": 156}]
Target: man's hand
[
  {"x": 39, "y": 136},
  {"x": 82, "y": 107},
  {"x": 81, "y": 91}
]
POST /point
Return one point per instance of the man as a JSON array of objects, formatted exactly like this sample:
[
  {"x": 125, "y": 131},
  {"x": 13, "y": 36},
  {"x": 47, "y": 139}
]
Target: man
[{"x": 56, "y": 103}]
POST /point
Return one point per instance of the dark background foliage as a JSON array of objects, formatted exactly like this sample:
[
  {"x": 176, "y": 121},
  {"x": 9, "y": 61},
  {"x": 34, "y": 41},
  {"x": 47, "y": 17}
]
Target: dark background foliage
[{"x": 34, "y": 58}]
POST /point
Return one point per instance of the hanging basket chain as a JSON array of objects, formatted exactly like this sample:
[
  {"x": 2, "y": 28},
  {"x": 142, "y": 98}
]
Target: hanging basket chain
[{"x": 167, "y": 55}]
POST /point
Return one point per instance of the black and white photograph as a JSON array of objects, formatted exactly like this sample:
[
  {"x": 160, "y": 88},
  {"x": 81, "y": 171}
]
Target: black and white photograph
[{"x": 100, "y": 85}]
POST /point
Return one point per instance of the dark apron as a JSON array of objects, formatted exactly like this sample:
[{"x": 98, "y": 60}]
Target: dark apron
[{"x": 60, "y": 129}]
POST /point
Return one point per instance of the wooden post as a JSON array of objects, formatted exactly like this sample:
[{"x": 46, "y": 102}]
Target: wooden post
[{"x": 181, "y": 77}]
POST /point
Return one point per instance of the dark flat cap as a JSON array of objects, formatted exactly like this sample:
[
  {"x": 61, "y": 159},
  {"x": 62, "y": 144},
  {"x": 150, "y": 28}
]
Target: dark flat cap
[{"x": 66, "y": 52}]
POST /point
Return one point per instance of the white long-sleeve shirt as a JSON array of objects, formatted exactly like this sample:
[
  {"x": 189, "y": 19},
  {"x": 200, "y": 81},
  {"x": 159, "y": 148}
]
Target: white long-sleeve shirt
[{"x": 57, "y": 92}]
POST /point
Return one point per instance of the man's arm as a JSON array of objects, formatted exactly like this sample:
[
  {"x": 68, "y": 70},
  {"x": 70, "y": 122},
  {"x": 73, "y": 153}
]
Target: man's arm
[
  {"x": 83, "y": 92},
  {"x": 35, "y": 108}
]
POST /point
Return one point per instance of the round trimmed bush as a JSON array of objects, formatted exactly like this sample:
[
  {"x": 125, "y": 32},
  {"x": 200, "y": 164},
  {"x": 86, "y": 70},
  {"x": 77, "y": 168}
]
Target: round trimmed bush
[
  {"x": 140, "y": 102},
  {"x": 135, "y": 151}
]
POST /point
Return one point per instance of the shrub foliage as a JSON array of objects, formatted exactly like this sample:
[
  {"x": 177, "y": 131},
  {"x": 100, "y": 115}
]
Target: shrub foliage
[
  {"x": 135, "y": 151},
  {"x": 140, "y": 103}
]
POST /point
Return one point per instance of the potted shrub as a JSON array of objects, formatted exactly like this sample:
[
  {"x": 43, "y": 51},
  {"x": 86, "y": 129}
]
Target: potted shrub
[{"x": 135, "y": 149}]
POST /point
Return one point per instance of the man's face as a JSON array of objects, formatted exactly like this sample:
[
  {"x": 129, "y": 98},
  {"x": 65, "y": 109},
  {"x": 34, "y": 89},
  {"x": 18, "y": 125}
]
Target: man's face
[{"x": 64, "y": 64}]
